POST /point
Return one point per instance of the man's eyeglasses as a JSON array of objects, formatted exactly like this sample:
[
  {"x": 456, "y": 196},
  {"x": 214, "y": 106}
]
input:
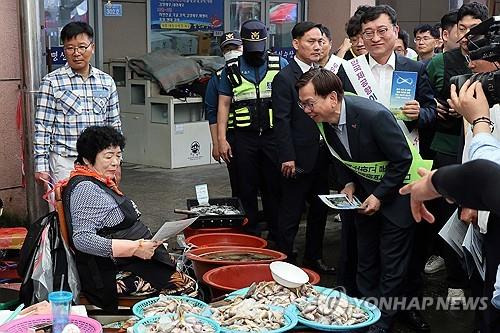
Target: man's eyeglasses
[
  {"x": 424, "y": 39},
  {"x": 308, "y": 105},
  {"x": 369, "y": 34},
  {"x": 81, "y": 49}
]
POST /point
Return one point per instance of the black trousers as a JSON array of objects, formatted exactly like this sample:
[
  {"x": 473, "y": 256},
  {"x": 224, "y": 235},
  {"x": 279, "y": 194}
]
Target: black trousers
[
  {"x": 305, "y": 187},
  {"x": 348, "y": 259},
  {"x": 231, "y": 167},
  {"x": 427, "y": 242},
  {"x": 384, "y": 251},
  {"x": 456, "y": 277},
  {"x": 256, "y": 157},
  {"x": 491, "y": 316}
]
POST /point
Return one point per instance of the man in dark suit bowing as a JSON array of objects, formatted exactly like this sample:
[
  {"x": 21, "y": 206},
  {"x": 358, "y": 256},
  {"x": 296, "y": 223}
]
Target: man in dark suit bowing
[
  {"x": 379, "y": 30},
  {"x": 361, "y": 130},
  {"x": 303, "y": 158}
]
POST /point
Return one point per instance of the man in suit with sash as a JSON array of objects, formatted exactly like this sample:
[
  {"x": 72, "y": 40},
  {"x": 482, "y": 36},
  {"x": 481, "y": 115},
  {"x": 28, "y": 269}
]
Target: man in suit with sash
[
  {"x": 360, "y": 130},
  {"x": 380, "y": 32},
  {"x": 379, "y": 29}
]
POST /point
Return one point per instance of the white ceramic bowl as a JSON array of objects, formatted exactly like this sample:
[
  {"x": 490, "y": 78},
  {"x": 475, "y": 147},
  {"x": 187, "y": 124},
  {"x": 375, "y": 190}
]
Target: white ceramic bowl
[{"x": 288, "y": 275}]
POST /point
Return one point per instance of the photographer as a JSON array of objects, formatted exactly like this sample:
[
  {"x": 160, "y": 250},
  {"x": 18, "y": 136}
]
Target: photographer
[
  {"x": 445, "y": 144},
  {"x": 473, "y": 106},
  {"x": 477, "y": 102},
  {"x": 479, "y": 180},
  {"x": 479, "y": 136}
]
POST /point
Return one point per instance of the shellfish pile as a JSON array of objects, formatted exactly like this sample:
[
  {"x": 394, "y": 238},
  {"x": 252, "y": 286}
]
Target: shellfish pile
[
  {"x": 248, "y": 315},
  {"x": 180, "y": 325},
  {"x": 166, "y": 305},
  {"x": 331, "y": 311},
  {"x": 272, "y": 293},
  {"x": 215, "y": 210}
]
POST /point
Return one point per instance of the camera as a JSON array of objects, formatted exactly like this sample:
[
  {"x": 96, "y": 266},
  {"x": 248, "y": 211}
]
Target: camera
[{"x": 483, "y": 42}]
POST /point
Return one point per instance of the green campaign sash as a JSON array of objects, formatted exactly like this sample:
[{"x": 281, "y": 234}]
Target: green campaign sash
[{"x": 375, "y": 171}]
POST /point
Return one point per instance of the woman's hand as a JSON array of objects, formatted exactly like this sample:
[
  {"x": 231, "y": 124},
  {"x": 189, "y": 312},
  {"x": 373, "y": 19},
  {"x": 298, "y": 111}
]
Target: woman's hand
[
  {"x": 146, "y": 248},
  {"x": 42, "y": 308}
]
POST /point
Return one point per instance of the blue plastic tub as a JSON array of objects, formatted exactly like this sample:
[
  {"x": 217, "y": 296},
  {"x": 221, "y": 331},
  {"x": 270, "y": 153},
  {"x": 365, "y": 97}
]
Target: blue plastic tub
[
  {"x": 138, "y": 308},
  {"x": 140, "y": 326}
]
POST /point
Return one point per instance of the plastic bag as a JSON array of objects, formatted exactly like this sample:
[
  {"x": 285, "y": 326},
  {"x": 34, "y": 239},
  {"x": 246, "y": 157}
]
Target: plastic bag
[
  {"x": 73, "y": 279},
  {"x": 45, "y": 262},
  {"x": 42, "y": 269}
]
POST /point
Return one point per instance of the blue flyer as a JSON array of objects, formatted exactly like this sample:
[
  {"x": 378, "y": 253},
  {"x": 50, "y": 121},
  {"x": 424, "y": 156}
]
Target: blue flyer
[{"x": 404, "y": 85}]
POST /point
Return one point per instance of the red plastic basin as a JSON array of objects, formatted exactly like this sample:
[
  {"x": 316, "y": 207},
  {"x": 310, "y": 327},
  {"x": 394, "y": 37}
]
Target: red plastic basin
[
  {"x": 227, "y": 239},
  {"x": 201, "y": 265},
  {"x": 189, "y": 232},
  {"x": 226, "y": 279}
]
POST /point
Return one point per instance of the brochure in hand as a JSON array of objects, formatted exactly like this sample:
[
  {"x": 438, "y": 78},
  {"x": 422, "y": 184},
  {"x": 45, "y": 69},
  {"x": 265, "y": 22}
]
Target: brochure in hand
[
  {"x": 172, "y": 228},
  {"x": 404, "y": 85},
  {"x": 340, "y": 201}
]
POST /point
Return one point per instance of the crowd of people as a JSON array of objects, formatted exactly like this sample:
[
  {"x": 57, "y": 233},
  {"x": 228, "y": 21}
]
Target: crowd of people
[{"x": 290, "y": 131}]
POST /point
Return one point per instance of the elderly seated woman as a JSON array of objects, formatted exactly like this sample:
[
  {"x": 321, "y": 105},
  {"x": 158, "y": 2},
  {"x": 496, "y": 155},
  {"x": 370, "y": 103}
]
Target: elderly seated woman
[{"x": 113, "y": 254}]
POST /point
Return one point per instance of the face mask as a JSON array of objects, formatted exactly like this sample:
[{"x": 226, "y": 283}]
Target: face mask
[
  {"x": 233, "y": 54},
  {"x": 255, "y": 59}
]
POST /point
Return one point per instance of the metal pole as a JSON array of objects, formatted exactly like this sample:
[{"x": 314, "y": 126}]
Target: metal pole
[{"x": 33, "y": 56}]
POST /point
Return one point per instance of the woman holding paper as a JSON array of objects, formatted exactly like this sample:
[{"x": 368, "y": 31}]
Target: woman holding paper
[{"x": 113, "y": 253}]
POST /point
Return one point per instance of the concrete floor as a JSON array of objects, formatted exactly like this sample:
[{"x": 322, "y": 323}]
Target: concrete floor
[{"x": 157, "y": 192}]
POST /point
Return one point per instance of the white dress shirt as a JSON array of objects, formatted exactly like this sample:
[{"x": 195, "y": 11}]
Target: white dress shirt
[
  {"x": 383, "y": 76},
  {"x": 303, "y": 66},
  {"x": 341, "y": 128}
]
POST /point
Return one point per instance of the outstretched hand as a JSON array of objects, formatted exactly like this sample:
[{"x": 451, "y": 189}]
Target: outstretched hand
[{"x": 420, "y": 191}]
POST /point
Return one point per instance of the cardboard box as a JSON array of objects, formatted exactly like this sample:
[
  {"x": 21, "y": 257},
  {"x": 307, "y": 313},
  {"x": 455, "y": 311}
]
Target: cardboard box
[{"x": 204, "y": 41}]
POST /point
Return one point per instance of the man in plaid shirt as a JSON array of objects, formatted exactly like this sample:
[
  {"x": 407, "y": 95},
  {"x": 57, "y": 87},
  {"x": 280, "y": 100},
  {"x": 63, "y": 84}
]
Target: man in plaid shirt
[{"x": 70, "y": 99}]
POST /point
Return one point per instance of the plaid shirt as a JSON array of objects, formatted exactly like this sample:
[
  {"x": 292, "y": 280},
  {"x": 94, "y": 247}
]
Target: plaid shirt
[{"x": 66, "y": 105}]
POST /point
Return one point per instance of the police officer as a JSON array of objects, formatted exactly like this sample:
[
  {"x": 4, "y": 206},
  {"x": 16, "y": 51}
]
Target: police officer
[
  {"x": 245, "y": 95},
  {"x": 231, "y": 47}
]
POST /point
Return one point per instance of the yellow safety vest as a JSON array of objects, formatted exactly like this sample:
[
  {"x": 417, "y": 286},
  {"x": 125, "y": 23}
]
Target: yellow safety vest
[{"x": 251, "y": 106}]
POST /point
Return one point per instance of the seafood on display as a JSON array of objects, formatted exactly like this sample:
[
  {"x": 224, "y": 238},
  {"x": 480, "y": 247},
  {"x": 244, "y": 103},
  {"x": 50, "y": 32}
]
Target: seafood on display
[
  {"x": 238, "y": 256},
  {"x": 272, "y": 293},
  {"x": 167, "y": 324},
  {"x": 215, "y": 210},
  {"x": 331, "y": 311},
  {"x": 248, "y": 315},
  {"x": 166, "y": 305}
]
